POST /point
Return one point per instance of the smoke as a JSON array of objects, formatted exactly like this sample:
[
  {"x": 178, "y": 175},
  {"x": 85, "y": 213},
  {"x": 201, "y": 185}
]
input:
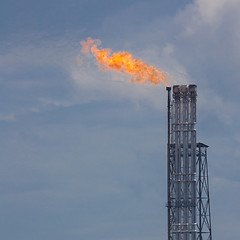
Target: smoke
[{"x": 123, "y": 62}]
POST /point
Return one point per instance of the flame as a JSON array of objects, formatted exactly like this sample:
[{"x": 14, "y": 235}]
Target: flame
[{"x": 124, "y": 62}]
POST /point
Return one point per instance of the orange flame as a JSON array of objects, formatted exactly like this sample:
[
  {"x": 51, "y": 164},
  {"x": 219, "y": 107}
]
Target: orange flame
[{"x": 124, "y": 62}]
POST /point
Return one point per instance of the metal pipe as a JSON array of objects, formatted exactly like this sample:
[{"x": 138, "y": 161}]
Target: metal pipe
[{"x": 168, "y": 162}]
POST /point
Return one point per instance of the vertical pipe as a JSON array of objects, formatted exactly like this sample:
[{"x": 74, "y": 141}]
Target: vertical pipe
[
  {"x": 178, "y": 161},
  {"x": 177, "y": 141},
  {"x": 193, "y": 94},
  {"x": 184, "y": 160},
  {"x": 168, "y": 163},
  {"x": 200, "y": 190}
]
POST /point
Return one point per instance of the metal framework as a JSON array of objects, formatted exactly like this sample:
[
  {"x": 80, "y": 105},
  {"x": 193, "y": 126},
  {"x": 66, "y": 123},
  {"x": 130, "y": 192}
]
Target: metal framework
[
  {"x": 188, "y": 193},
  {"x": 203, "y": 197}
]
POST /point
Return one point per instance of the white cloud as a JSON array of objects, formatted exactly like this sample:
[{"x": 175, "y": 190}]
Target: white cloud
[
  {"x": 225, "y": 110},
  {"x": 205, "y": 12},
  {"x": 210, "y": 11}
]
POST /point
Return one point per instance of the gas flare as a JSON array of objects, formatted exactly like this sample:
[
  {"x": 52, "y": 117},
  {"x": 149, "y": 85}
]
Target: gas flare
[{"x": 124, "y": 62}]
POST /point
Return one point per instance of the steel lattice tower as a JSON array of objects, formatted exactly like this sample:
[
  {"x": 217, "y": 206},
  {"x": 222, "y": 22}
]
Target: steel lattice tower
[
  {"x": 188, "y": 189},
  {"x": 203, "y": 198}
]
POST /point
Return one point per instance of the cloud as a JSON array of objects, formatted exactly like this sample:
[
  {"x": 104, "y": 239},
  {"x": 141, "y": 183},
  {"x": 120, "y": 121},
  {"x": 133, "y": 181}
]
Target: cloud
[
  {"x": 204, "y": 13},
  {"x": 214, "y": 104},
  {"x": 210, "y": 11}
]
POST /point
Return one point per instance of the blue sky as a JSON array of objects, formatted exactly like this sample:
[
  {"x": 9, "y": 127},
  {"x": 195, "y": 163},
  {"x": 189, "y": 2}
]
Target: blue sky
[{"x": 83, "y": 152}]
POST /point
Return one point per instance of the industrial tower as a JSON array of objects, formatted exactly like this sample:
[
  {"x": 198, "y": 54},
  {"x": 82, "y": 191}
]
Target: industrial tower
[{"x": 187, "y": 171}]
